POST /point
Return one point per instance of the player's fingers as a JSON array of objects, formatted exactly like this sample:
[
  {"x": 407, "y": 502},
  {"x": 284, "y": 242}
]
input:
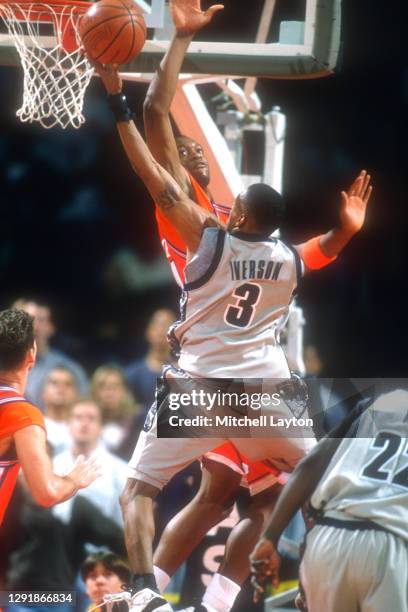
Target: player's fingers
[
  {"x": 258, "y": 588},
  {"x": 275, "y": 578},
  {"x": 365, "y": 186},
  {"x": 209, "y": 13},
  {"x": 368, "y": 194},
  {"x": 344, "y": 197}
]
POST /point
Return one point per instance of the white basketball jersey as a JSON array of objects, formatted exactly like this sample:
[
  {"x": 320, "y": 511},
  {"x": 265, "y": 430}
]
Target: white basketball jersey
[
  {"x": 237, "y": 288},
  {"x": 367, "y": 478}
]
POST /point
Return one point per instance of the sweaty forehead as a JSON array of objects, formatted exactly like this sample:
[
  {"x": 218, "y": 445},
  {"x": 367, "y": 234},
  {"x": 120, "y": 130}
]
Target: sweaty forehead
[{"x": 184, "y": 141}]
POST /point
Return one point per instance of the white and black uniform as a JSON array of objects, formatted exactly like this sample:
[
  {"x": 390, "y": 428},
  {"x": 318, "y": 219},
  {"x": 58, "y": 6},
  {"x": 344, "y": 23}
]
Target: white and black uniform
[
  {"x": 237, "y": 290},
  {"x": 238, "y": 287},
  {"x": 356, "y": 558}
]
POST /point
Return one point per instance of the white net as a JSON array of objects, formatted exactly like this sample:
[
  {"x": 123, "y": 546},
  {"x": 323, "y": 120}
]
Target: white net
[{"x": 56, "y": 74}]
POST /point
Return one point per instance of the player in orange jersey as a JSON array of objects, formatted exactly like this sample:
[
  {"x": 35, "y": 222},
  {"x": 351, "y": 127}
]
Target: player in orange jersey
[
  {"x": 223, "y": 468},
  {"x": 22, "y": 429}
]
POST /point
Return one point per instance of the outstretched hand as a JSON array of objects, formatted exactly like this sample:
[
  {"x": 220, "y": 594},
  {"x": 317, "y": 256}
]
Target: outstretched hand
[
  {"x": 265, "y": 564},
  {"x": 188, "y": 16},
  {"x": 354, "y": 203},
  {"x": 109, "y": 75},
  {"x": 84, "y": 472}
]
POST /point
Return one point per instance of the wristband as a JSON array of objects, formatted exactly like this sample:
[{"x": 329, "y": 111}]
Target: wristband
[
  {"x": 119, "y": 107},
  {"x": 313, "y": 256}
]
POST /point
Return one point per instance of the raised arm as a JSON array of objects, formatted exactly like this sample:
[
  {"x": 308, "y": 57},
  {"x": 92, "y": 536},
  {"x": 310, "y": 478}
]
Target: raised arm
[
  {"x": 46, "y": 487},
  {"x": 187, "y": 218},
  {"x": 188, "y": 18},
  {"x": 321, "y": 250}
]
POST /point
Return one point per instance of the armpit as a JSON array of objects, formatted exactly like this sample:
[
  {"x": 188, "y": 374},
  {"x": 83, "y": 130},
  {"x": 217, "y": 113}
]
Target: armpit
[{"x": 169, "y": 197}]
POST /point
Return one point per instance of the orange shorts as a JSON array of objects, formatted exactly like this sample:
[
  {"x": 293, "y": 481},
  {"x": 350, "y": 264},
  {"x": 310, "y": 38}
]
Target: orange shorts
[{"x": 257, "y": 476}]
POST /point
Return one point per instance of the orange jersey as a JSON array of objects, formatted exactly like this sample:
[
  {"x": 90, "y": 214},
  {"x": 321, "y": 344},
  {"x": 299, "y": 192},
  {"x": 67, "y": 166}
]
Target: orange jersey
[
  {"x": 172, "y": 243},
  {"x": 15, "y": 414}
]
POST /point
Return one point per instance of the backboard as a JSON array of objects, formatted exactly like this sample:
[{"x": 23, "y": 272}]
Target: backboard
[{"x": 289, "y": 39}]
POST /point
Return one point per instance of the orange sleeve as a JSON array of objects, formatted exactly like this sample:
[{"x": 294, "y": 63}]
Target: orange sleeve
[
  {"x": 313, "y": 256},
  {"x": 17, "y": 415}
]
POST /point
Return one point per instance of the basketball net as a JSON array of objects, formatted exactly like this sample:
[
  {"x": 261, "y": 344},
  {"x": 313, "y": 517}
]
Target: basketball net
[{"x": 56, "y": 74}]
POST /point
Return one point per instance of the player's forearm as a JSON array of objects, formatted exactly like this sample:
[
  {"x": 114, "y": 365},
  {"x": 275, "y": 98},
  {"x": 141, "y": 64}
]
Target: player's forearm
[
  {"x": 157, "y": 180},
  {"x": 320, "y": 251},
  {"x": 300, "y": 487},
  {"x": 50, "y": 489},
  {"x": 335, "y": 240},
  {"x": 135, "y": 147},
  {"x": 163, "y": 87}
]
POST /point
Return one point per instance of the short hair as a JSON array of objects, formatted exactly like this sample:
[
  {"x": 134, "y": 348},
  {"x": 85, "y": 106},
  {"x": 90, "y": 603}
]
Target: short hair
[
  {"x": 110, "y": 561},
  {"x": 61, "y": 367},
  {"x": 265, "y": 205},
  {"x": 86, "y": 399},
  {"x": 16, "y": 337}
]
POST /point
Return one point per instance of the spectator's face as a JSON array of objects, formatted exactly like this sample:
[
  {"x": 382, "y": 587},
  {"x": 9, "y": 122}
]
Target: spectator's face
[
  {"x": 110, "y": 394},
  {"x": 60, "y": 389},
  {"x": 101, "y": 581},
  {"x": 157, "y": 328},
  {"x": 85, "y": 423},
  {"x": 43, "y": 325}
]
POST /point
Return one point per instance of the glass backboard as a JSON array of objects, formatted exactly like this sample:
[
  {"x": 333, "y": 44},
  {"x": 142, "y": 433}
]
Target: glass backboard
[{"x": 291, "y": 39}]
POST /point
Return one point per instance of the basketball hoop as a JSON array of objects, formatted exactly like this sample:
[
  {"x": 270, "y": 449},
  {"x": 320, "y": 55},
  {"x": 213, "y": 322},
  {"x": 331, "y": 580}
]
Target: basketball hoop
[{"x": 56, "y": 74}]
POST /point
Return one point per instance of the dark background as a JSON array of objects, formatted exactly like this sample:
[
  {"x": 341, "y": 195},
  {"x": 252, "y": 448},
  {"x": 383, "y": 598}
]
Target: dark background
[{"x": 71, "y": 206}]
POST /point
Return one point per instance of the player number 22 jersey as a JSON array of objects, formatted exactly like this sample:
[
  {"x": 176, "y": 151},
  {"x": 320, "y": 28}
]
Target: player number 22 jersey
[{"x": 367, "y": 478}]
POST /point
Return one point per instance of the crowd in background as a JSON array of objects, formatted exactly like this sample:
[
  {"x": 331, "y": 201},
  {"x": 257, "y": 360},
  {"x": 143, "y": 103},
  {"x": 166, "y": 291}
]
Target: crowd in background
[{"x": 99, "y": 413}]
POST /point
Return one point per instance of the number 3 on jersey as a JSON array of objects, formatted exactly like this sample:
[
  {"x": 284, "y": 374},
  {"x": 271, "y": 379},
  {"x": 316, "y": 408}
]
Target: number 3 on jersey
[{"x": 242, "y": 312}]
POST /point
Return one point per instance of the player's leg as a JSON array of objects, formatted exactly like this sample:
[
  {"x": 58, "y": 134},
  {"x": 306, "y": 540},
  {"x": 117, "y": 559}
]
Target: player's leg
[
  {"x": 213, "y": 502},
  {"x": 226, "y": 584},
  {"x": 246, "y": 533},
  {"x": 137, "y": 509},
  {"x": 326, "y": 573},
  {"x": 381, "y": 560}
]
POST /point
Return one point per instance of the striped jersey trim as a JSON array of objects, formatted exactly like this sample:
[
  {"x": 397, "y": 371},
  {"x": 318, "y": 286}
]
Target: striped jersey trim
[
  {"x": 8, "y": 400},
  {"x": 182, "y": 254}
]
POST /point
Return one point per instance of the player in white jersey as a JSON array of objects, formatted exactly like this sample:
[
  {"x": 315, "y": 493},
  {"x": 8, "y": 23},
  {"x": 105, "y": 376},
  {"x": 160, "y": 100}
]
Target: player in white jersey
[
  {"x": 356, "y": 554},
  {"x": 261, "y": 272}
]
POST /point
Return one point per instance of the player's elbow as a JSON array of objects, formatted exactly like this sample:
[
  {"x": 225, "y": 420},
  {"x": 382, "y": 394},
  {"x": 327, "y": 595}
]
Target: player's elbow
[
  {"x": 152, "y": 109},
  {"x": 45, "y": 496},
  {"x": 45, "y": 493}
]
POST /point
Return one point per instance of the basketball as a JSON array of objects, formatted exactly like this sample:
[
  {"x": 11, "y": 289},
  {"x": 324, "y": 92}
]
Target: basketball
[{"x": 113, "y": 31}]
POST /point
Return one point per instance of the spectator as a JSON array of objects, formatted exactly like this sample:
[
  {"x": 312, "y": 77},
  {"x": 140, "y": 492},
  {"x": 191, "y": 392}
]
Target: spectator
[
  {"x": 59, "y": 394},
  {"x": 104, "y": 573},
  {"x": 47, "y": 358},
  {"x": 49, "y": 552},
  {"x": 85, "y": 427},
  {"x": 142, "y": 374},
  {"x": 110, "y": 391}
]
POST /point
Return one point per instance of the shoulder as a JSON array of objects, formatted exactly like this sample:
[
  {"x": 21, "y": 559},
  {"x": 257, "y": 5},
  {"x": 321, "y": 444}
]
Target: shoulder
[{"x": 17, "y": 415}]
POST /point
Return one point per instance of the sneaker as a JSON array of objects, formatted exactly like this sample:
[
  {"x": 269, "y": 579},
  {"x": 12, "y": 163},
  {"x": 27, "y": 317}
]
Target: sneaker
[{"x": 145, "y": 600}]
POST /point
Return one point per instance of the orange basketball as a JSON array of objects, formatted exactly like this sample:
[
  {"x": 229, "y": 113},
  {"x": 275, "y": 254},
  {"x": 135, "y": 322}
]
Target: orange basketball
[{"x": 113, "y": 31}]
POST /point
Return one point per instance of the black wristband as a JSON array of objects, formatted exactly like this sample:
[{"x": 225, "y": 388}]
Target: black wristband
[{"x": 119, "y": 107}]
